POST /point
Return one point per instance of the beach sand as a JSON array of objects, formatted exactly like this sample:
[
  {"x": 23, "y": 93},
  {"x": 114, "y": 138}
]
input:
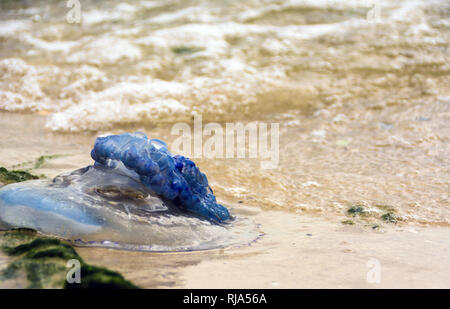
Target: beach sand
[{"x": 296, "y": 252}]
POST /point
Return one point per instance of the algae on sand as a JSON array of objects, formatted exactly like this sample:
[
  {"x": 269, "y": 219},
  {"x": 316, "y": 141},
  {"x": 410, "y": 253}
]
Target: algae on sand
[
  {"x": 356, "y": 210},
  {"x": 369, "y": 215},
  {"x": 7, "y": 177},
  {"x": 35, "y": 164},
  {"x": 389, "y": 217},
  {"x": 44, "y": 158},
  {"x": 43, "y": 261}
]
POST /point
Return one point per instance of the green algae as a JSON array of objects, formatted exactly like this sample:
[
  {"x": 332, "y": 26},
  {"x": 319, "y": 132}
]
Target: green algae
[
  {"x": 94, "y": 277},
  {"x": 389, "y": 217},
  {"x": 20, "y": 233},
  {"x": 23, "y": 172},
  {"x": 348, "y": 222},
  {"x": 29, "y": 166},
  {"x": 371, "y": 215},
  {"x": 43, "y": 261},
  {"x": 7, "y": 177},
  {"x": 42, "y": 159},
  {"x": 356, "y": 210},
  {"x": 185, "y": 50}
]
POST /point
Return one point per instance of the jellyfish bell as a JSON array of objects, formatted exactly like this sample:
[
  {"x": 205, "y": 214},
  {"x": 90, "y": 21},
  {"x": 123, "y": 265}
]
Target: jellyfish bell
[{"x": 128, "y": 201}]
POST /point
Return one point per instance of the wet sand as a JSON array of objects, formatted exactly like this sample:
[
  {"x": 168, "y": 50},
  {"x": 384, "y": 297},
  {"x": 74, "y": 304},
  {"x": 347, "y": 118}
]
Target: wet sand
[{"x": 296, "y": 252}]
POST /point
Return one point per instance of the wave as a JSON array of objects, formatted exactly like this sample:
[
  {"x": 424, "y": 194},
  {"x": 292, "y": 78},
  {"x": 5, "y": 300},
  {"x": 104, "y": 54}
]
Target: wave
[{"x": 154, "y": 61}]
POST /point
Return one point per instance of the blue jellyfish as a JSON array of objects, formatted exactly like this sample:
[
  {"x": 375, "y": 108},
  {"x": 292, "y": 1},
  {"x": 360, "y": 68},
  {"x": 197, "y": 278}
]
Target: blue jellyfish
[{"x": 136, "y": 195}]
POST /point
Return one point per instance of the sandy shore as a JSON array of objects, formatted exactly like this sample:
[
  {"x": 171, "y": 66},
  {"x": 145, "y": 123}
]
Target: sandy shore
[{"x": 296, "y": 251}]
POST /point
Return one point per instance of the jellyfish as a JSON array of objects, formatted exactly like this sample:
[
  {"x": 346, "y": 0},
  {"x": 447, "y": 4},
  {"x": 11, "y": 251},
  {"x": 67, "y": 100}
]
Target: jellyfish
[{"x": 136, "y": 196}]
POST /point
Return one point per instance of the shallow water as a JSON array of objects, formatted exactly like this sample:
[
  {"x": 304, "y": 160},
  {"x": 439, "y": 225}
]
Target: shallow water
[{"x": 360, "y": 92}]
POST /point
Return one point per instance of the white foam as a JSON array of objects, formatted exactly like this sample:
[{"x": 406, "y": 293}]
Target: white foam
[
  {"x": 125, "y": 102},
  {"x": 9, "y": 28},
  {"x": 19, "y": 87},
  {"x": 55, "y": 46},
  {"x": 207, "y": 58},
  {"x": 107, "y": 50},
  {"x": 119, "y": 12}
]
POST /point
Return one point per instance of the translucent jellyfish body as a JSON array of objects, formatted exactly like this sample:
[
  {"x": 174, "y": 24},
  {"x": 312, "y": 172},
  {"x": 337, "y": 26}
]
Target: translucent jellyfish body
[{"x": 136, "y": 196}]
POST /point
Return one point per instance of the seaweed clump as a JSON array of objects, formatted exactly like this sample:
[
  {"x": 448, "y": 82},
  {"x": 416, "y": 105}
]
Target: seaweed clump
[
  {"x": 355, "y": 210},
  {"x": 389, "y": 217},
  {"x": 184, "y": 50},
  {"x": 7, "y": 177},
  {"x": 348, "y": 222},
  {"x": 43, "y": 261},
  {"x": 371, "y": 215}
]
